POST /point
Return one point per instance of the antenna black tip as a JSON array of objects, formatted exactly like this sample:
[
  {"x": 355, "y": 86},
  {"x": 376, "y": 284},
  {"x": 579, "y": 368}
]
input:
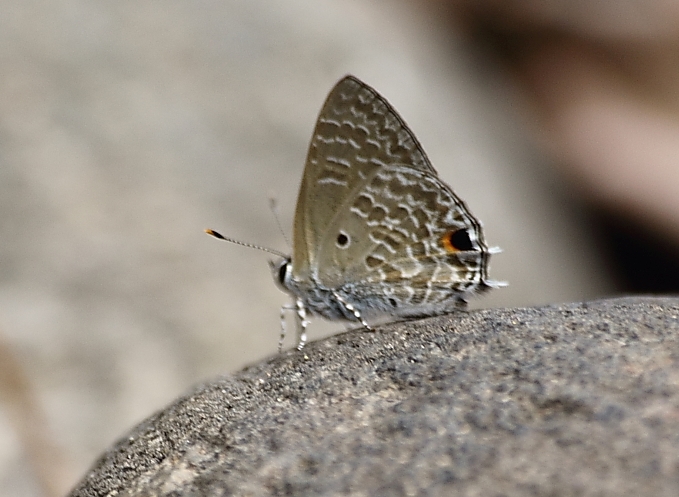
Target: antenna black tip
[{"x": 214, "y": 233}]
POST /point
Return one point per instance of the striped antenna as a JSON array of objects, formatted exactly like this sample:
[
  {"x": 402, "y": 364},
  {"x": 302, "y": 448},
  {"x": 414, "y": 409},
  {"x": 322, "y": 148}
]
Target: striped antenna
[{"x": 244, "y": 244}]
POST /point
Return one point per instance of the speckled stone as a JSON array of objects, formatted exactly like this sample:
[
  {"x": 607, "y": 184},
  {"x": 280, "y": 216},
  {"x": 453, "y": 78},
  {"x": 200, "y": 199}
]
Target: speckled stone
[{"x": 576, "y": 399}]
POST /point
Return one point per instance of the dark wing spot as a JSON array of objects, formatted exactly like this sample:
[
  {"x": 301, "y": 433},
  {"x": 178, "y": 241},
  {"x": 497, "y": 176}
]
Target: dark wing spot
[
  {"x": 460, "y": 240},
  {"x": 457, "y": 241},
  {"x": 342, "y": 240}
]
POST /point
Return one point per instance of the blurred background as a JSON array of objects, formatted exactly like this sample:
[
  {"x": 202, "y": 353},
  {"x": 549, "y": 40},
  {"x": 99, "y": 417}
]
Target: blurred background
[{"x": 126, "y": 128}]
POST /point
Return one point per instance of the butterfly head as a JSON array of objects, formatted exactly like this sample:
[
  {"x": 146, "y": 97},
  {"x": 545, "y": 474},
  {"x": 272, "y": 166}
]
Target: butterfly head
[{"x": 282, "y": 272}]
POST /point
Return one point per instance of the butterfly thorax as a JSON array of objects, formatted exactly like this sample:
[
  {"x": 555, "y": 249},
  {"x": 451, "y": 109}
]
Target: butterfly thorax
[{"x": 311, "y": 295}]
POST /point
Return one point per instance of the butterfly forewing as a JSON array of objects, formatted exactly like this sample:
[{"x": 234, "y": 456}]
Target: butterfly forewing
[{"x": 357, "y": 134}]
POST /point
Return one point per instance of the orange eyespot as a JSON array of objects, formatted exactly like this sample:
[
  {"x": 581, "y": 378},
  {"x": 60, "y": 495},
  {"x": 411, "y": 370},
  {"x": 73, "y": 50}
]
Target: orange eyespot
[{"x": 456, "y": 241}]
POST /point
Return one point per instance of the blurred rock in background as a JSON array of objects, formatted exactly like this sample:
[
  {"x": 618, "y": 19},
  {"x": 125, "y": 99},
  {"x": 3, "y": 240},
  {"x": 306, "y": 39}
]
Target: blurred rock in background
[{"x": 601, "y": 82}]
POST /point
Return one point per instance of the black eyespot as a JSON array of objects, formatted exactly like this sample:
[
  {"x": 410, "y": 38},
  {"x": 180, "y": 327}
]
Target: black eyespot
[
  {"x": 392, "y": 302},
  {"x": 283, "y": 271},
  {"x": 460, "y": 240},
  {"x": 342, "y": 240}
]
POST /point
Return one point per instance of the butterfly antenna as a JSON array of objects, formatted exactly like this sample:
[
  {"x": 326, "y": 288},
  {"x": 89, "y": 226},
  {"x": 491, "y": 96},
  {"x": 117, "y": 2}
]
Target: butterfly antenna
[
  {"x": 273, "y": 205},
  {"x": 244, "y": 244}
]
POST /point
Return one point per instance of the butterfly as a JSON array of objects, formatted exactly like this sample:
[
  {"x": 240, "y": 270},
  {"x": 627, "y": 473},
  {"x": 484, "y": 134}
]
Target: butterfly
[{"x": 376, "y": 232}]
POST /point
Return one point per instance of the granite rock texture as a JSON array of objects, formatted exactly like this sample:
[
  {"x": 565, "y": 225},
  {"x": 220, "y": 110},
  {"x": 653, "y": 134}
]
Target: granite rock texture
[{"x": 576, "y": 399}]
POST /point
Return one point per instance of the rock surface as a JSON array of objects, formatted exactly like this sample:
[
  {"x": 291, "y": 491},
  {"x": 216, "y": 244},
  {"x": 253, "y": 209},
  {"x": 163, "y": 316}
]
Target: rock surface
[{"x": 577, "y": 399}]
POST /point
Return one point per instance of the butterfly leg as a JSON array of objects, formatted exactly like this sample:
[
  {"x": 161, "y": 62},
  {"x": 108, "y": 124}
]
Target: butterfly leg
[
  {"x": 302, "y": 323},
  {"x": 349, "y": 307},
  {"x": 284, "y": 309}
]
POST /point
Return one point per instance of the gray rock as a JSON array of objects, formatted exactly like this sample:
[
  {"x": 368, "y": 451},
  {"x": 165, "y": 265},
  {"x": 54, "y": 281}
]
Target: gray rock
[{"x": 578, "y": 399}]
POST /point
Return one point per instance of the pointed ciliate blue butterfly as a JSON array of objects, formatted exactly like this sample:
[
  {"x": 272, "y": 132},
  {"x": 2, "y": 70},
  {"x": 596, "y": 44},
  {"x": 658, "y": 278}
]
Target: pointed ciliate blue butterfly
[{"x": 376, "y": 233}]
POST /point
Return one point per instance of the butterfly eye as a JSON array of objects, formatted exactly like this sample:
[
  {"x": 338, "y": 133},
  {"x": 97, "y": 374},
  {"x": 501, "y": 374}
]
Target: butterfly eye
[
  {"x": 456, "y": 241},
  {"x": 283, "y": 272},
  {"x": 342, "y": 240}
]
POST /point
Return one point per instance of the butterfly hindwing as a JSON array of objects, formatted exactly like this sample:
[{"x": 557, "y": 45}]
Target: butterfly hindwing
[{"x": 396, "y": 236}]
